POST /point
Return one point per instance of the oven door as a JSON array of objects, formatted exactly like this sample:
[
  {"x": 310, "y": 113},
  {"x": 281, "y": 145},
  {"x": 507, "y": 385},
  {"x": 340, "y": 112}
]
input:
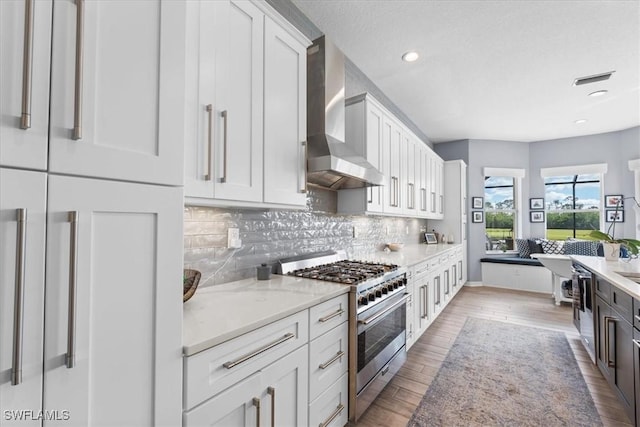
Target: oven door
[{"x": 381, "y": 334}]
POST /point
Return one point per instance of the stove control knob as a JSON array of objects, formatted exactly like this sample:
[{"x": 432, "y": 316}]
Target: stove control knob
[
  {"x": 392, "y": 286},
  {"x": 404, "y": 280},
  {"x": 363, "y": 300},
  {"x": 378, "y": 293},
  {"x": 396, "y": 284},
  {"x": 385, "y": 290},
  {"x": 372, "y": 296}
]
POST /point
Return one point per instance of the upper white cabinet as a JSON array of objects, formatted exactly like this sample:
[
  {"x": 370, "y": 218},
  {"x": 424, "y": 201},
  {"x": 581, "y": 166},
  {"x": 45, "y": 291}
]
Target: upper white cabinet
[
  {"x": 412, "y": 171},
  {"x": 25, "y": 43},
  {"x": 246, "y": 106},
  {"x": 117, "y": 97}
]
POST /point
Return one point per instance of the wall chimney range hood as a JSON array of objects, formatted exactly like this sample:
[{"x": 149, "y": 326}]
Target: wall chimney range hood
[{"x": 331, "y": 162}]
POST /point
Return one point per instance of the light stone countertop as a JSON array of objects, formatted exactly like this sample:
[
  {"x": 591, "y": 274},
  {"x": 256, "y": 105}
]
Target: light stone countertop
[
  {"x": 216, "y": 314},
  {"x": 609, "y": 271}
]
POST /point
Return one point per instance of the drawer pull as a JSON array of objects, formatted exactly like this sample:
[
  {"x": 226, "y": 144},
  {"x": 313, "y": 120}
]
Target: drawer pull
[
  {"x": 333, "y": 416},
  {"x": 27, "y": 65},
  {"x": 334, "y": 359},
  {"x": 261, "y": 350},
  {"x": 209, "y": 109},
  {"x": 607, "y": 342},
  {"x": 636, "y": 342},
  {"x": 70, "y": 357},
  {"x": 77, "y": 99},
  {"x": 331, "y": 316},
  {"x": 383, "y": 312},
  {"x": 637, "y": 317}
]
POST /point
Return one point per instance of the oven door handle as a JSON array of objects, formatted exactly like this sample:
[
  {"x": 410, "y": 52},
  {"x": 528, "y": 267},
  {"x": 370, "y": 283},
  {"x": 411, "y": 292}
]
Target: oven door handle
[{"x": 383, "y": 312}]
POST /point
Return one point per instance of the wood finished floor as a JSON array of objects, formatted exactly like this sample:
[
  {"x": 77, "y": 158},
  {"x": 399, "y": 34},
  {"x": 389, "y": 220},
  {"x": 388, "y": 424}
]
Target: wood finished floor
[{"x": 397, "y": 402}]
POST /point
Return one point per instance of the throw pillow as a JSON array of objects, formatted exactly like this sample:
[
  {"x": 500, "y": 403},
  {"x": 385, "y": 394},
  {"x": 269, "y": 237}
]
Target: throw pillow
[
  {"x": 535, "y": 247},
  {"x": 552, "y": 247},
  {"x": 523, "y": 248},
  {"x": 581, "y": 247}
]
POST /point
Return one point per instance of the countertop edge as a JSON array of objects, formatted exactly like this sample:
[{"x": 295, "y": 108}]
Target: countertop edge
[
  {"x": 605, "y": 269},
  {"x": 193, "y": 349}
]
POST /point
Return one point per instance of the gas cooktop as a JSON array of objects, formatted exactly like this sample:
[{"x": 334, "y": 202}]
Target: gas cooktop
[{"x": 347, "y": 272}]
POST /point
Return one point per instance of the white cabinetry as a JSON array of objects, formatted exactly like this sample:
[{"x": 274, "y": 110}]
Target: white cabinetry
[
  {"x": 22, "y": 251},
  {"x": 109, "y": 327},
  {"x": 422, "y": 293},
  {"x": 24, "y": 82},
  {"x": 292, "y": 372},
  {"x": 412, "y": 171},
  {"x": 106, "y": 119},
  {"x": 246, "y": 106}
]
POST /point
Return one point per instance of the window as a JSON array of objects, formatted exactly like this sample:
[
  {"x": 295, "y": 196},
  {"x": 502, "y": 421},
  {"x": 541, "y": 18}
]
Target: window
[
  {"x": 572, "y": 205},
  {"x": 500, "y": 212}
]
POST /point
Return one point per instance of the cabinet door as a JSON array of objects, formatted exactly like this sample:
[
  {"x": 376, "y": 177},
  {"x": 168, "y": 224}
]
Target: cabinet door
[
  {"x": 21, "y": 240},
  {"x": 113, "y": 306},
  {"x": 374, "y": 144},
  {"x": 622, "y": 380},
  {"x": 117, "y": 90},
  {"x": 391, "y": 137},
  {"x": 285, "y": 393},
  {"x": 238, "y": 107},
  {"x": 285, "y": 126},
  {"x": 25, "y": 36}
]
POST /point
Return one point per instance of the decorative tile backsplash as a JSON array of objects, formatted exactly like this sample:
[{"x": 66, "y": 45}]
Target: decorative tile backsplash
[{"x": 269, "y": 235}]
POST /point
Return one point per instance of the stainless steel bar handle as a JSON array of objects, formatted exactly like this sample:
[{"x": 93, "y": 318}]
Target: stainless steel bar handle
[
  {"x": 304, "y": 166},
  {"x": 77, "y": 101},
  {"x": 426, "y": 301},
  {"x": 261, "y": 350},
  {"x": 370, "y": 195},
  {"x": 433, "y": 202},
  {"x": 331, "y": 316},
  {"x": 70, "y": 358},
  {"x": 331, "y": 361},
  {"x": 27, "y": 65},
  {"x": 421, "y": 297},
  {"x": 409, "y": 196},
  {"x": 209, "y": 175},
  {"x": 225, "y": 121},
  {"x": 607, "y": 344},
  {"x": 256, "y": 403},
  {"x": 383, "y": 312},
  {"x": 272, "y": 392},
  {"x": 18, "y": 301},
  {"x": 637, "y": 317},
  {"x": 636, "y": 342},
  {"x": 333, "y": 416},
  {"x": 460, "y": 271},
  {"x": 454, "y": 268},
  {"x": 397, "y": 192},
  {"x": 423, "y": 199},
  {"x": 441, "y": 203}
]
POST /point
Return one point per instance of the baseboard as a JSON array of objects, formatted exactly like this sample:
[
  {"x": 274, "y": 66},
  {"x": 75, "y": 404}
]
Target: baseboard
[{"x": 473, "y": 284}]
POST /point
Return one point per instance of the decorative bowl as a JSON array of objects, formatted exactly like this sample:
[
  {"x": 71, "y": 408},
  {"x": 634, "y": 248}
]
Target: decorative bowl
[
  {"x": 395, "y": 247},
  {"x": 190, "y": 279}
]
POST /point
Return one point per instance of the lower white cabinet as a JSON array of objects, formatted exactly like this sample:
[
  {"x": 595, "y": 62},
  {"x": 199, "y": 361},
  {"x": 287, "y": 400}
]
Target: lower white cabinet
[
  {"x": 275, "y": 395},
  {"x": 291, "y": 372}
]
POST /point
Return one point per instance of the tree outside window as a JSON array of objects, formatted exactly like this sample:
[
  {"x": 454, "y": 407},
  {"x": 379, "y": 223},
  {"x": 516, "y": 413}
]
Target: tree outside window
[
  {"x": 500, "y": 212},
  {"x": 572, "y": 205}
]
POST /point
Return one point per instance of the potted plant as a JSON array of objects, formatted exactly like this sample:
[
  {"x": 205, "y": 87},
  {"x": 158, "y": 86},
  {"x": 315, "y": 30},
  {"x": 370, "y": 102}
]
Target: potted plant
[{"x": 611, "y": 245}]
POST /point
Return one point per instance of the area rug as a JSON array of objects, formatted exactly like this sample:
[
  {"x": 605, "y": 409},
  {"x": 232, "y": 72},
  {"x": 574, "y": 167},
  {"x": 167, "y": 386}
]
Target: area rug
[{"x": 500, "y": 374}]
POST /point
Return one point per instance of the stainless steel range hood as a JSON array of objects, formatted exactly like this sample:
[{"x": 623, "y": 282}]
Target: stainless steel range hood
[{"x": 331, "y": 162}]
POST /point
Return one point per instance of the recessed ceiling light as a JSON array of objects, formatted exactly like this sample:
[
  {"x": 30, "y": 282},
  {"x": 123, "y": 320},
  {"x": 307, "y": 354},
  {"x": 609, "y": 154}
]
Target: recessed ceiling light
[
  {"x": 598, "y": 93},
  {"x": 410, "y": 56},
  {"x": 580, "y": 121}
]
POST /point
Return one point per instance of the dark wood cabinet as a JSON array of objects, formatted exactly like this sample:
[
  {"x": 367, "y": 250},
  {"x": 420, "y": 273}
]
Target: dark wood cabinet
[
  {"x": 636, "y": 363},
  {"x": 615, "y": 350}
]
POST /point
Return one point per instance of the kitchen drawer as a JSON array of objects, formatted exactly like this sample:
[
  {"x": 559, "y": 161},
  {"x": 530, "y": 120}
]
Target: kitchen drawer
[
  {"x": 205, "y": 374},
  {"x": 326, "y": 316},
  {"x": 622, "y": 303},
  {"x": 602, "y": 289},
  {"x": 332, "y": 403},
  {"x": 328, "y": 359},
  {"x": 422, "y": 268}
]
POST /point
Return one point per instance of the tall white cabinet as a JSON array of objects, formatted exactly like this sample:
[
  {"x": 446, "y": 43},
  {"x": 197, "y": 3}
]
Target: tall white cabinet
[
  {"x": 108, "y": 333},
  {"x": 246, "y": 106}
]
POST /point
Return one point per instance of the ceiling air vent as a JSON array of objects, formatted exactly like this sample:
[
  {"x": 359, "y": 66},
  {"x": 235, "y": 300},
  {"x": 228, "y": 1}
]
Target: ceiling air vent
[{"x": 592, "y": 79}]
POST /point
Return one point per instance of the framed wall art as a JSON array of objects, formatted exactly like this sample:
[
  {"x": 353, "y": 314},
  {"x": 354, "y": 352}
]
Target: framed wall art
[
  {"x": 536, "y": 203},
  {"x": 536, "y": 216},
  {"x": 613, "y": 201},
  {"x": 477, "y": 203},
  {"x": 477, "y": 216},
  {"x": 614, "y": 215}
]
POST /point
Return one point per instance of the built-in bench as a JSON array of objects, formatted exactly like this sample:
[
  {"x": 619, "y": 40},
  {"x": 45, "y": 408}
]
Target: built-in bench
[{"x": 512, "y": 272}]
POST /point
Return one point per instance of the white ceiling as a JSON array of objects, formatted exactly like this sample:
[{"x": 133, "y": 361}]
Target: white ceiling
[{"x": 500, "y": 70}]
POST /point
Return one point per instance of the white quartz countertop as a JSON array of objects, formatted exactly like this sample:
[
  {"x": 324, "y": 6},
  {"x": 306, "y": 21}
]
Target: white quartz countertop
[
  {"x": 411, "y": 254},
  {"x": 609, "y": 270},
  {"x": 216, "y": 314}
]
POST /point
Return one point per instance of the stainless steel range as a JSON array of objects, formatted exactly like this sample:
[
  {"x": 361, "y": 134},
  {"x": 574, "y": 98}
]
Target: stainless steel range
[{"x": 377, "y": 318}]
